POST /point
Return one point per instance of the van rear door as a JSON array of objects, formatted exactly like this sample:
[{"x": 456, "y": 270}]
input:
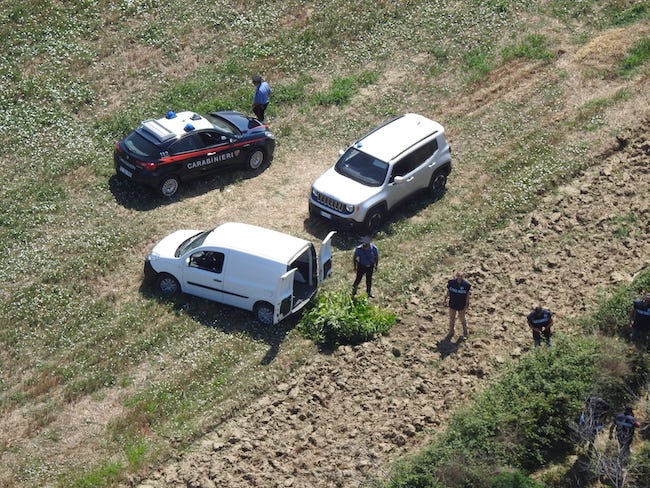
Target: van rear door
[
  {"x": 283, "y": 299},
  {"x": 325, "y": 258}
]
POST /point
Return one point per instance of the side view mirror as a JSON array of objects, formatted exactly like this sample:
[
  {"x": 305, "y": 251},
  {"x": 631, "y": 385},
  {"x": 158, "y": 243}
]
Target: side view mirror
[
  {"x": 398, "y": 179},
  {"x": 341, "y": 152}
]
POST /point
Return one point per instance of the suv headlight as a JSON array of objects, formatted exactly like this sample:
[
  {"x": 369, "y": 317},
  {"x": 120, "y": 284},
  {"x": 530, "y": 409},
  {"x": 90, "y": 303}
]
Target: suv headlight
[
  {"x": 349, "y": 207},
  {"x": 314, "y": 193}
]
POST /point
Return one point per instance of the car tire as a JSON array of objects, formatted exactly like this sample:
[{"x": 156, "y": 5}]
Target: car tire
[
  {"x": 438, "y": 184},
  {"x": 256, "y": 159},
  {"x": 264, "y": 313},
  {"x": 169, "y": 186},
  {"x": 374, "y": 219},
  {"x": 168, "y": 285}
]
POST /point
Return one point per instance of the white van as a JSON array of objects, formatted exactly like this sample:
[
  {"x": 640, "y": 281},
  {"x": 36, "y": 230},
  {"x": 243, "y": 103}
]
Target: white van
[{"x": 270, "y": 273}]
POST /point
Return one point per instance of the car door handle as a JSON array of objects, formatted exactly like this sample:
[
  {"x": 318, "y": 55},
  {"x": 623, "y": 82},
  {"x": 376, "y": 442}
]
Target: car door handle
[
  {"x": 212, "y": 153},
  {"x": 410, "y": 179},
  {"x": 217, "y": 280}
]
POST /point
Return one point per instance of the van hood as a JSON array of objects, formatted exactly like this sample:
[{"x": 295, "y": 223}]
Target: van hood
[
  {"x": 343, "y": 189},
  {"x": 166, "y": 248}
]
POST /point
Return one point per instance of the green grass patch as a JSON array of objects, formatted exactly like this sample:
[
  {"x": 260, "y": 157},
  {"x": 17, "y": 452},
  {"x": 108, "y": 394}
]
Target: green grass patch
[
  {"x": 343, "y": 89},
  {"x": 638, "y": 56},
  {"x": 533, "y": 46}
]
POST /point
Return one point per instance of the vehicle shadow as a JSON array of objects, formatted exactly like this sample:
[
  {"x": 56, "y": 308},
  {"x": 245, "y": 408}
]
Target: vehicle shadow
[
  {"x": 142, "y": 198},
  {"x": 229, "y": 320},
  {"x": 346, "y": 240}
]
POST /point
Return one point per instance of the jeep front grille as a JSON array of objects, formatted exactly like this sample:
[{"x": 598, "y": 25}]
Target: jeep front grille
[{"x": 331, "y": 203}]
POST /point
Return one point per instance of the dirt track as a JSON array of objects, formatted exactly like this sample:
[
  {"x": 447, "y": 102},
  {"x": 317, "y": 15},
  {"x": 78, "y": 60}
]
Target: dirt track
[{"x": 345, "y": 417}]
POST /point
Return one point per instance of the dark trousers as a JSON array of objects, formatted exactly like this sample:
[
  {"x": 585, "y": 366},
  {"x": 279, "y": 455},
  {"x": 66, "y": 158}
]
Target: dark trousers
[
  {"x": 259, "y": 109},
  {"x": 361, "y": 271},
  {"x": 537, "y": 336}
]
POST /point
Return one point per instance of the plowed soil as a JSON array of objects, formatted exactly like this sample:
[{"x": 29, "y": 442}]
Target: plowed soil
[{"x": 343, "y": 418}]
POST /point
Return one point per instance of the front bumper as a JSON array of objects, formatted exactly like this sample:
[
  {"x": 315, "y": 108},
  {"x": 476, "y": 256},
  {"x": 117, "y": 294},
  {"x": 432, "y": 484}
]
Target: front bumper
[{"x": 343, "y": 223}]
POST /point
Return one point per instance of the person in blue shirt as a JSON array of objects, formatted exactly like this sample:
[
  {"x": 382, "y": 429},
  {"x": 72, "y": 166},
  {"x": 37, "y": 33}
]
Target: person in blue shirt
[
  {"x": 640, "y": 320},
  {"x": 457, "y": 299},
  {"x": 540, "y": 321},
  {"x": 624, "y": 424},
  {"x": 261, "y": 98},
  {"x": 365, "y": 261}
]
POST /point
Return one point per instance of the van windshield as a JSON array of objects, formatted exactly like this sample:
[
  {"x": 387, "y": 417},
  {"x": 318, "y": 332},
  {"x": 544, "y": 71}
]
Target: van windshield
[
  {"x": 191, "y": 243},
  {"x": 362, "y": 167}
]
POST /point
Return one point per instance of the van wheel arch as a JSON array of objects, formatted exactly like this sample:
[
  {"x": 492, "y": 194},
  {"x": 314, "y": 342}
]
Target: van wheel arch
[
  {"x": 168, "y": 285},
  {"x": 264, "y": 312}
]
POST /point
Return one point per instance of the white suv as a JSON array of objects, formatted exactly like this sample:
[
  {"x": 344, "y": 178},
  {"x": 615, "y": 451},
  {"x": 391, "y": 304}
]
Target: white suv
[{"x": 398, "y": 159}]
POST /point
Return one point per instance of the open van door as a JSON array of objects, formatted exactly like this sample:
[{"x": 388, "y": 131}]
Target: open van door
[
  {"x": 283, "y": 299},
  {"x": 325, "y": 258}
]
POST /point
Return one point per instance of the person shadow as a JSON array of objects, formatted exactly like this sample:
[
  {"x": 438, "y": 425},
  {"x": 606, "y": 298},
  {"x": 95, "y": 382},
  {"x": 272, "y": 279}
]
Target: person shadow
[{"x": 446, "y": 346}]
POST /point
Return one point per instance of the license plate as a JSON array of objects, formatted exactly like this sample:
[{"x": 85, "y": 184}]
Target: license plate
[
  {"x": 326, "y": 215},
  {"x": 126, "y": 171}
]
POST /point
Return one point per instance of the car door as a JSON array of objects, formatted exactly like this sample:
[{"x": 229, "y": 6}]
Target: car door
[
  {"x": 283, "y": 297},
  {"x": 219, "y": 149},
  {"x": 203, "y": 273},
  {"x": 401, "y": 182},
  {"x": 325, "y": 258}
]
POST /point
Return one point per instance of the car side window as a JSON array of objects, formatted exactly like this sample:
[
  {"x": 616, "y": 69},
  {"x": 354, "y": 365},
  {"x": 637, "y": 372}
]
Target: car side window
[
  {"x": 421, "y": 154},
  {"x": 188, "y": 143},
  {"x": 209, "y": 139},
  {"x": 208, "y": 260},
  {"x": 403, "y": 166},
  {"x": 414, "y": 159}
]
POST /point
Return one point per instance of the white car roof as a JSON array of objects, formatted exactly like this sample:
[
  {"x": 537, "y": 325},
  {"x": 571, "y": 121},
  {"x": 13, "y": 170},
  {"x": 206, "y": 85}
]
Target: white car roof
[
  {"x": 258, "y": 241},
  {"x": 391, "y": 139},
  {"x": 176, "y": 124}
]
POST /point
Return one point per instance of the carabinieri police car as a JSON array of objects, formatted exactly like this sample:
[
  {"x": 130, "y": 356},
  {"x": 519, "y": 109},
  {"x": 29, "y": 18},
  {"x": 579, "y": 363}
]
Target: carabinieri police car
[{"x": 183, "y": 146}]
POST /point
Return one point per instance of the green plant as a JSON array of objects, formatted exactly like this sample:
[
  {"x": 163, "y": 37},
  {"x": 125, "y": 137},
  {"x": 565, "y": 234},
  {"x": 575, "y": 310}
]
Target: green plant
[
  {"x": 338, "y": 319},
  {"x": 639, "y": 54},
  {"x": 478, "y": 63},
  {"x": 534, "y": 46}
]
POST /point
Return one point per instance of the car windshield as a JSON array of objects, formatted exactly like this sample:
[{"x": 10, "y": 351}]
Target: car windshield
[
  {"x": 362, "y": 168},
  {"x": 191, "y": 243},
  {"x": 222, "y": 124},
  {"x": 141, "y": 147}
]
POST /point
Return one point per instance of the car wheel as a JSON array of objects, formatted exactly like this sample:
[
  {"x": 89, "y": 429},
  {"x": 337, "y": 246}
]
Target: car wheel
[
  {"x": 438, "y": 184},
  {"x": 374, "y": 220},
  {"x": 169, "y": 186},
  {"x": 255, "y": 159},
  {"x": 264, "y": 312},
  {"x": 168, "y": 285}
]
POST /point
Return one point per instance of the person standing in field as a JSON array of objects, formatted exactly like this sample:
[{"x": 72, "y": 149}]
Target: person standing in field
[
  {"x": 457, "y": 299},
  {"x": 624, "y": 425},
  {"x": 365, "y": 261},
  {"x": 261, "y": 97},
  {"x": 640, "y": 320}
]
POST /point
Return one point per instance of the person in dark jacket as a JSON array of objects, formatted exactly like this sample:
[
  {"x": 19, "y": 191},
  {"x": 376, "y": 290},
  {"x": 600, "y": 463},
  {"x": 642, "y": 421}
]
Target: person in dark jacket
[
  {"x": 540, "y": 321},
  {"x": 640, "y": 320},
  {"x": 365, "y": 261},
  {"x": 624, "y": 425},
  {"x": 457, "y": 299}
]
